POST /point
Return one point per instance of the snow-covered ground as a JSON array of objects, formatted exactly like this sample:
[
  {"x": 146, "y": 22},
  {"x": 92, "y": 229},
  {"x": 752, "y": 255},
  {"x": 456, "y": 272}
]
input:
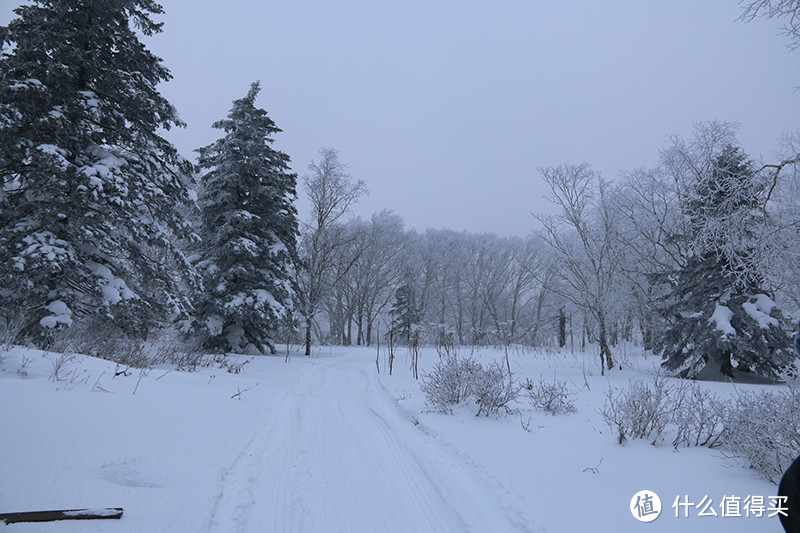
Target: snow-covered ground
[{"x": 328, "y": 444}]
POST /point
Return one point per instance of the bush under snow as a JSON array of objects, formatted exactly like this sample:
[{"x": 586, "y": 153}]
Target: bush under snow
[
  {"x": 763, "y": 429},
  {"x": 455, "y": 379},
  {"x": 641, "y": 410},
  {"x": 699, "y": 417},
  {"x": 553, "y": 398}
]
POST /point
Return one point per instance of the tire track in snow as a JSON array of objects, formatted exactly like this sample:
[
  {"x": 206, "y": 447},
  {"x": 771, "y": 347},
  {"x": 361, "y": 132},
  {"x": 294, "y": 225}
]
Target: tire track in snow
[
  {"x": 238, "y": 494},
  {"x": 466, "y": 487},
  {"x": 386, "y": 488},
  {"x": 335, "y": 455}
]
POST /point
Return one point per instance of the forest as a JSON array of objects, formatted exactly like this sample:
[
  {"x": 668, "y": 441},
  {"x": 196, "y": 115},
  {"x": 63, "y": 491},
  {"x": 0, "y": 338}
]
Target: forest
[{"x": 106, "y": 232}]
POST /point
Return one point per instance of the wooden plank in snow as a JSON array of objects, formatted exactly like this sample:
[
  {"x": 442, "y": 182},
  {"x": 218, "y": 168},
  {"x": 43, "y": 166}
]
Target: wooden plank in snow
[{"x": 69, "y": 514}]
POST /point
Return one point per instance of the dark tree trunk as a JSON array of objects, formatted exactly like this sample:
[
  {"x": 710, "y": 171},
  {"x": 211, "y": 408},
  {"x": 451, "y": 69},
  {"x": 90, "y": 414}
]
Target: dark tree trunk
[
  {"x": 562, "y": 328},
  {"x": 308, "y": 335},
  {"x": 605, "y": 351}
]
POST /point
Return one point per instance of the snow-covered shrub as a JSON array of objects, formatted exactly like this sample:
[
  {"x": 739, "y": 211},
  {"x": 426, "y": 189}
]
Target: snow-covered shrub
[
  {"x": 102, "y": 341},
  {"x": 10, "y": 328},
  {"x": 185, "y": 358},
  {"x": 450, "y": 382},
  {"x": 235, "y": 366},
  {"x": 492, "y": 390},
  {"x": 763, "y": 429},
  {"x": 641, "y": 410},
  {"x": 129, "y": 353},
  {"x": 553, "y": 398},
  {"x": 699, "y": 416},
  {"x": 457, "y": 379}
]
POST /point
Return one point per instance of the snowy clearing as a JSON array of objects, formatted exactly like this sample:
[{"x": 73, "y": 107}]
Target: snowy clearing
[{"x": 327, "y": 444}]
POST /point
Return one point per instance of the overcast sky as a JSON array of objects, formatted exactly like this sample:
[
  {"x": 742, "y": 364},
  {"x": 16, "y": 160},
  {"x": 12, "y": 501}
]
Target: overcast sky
[{"x": 447, "y": 108}]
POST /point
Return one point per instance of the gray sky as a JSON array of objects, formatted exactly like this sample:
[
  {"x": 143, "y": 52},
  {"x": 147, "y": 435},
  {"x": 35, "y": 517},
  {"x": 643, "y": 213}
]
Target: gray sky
[{"x": 447, "y": 108}]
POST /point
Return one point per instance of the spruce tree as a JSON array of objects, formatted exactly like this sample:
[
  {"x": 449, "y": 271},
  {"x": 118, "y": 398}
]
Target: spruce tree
[
  {"x": 562, "y": 328},
  {"x": 249, "y": 231},
  {"x": 403, "y": 313},
  {"x": 87, "y": 214},
  {"x": 724, "y": 324}
]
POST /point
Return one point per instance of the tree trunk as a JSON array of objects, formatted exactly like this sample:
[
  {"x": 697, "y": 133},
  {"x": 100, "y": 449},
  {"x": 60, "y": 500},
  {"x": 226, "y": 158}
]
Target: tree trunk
[
  {"x": 605, "y": 351},
  {"x": 583, "y": 334},
  {"x": 562, "y": 328},
  {"x": 308, "y": 335}
]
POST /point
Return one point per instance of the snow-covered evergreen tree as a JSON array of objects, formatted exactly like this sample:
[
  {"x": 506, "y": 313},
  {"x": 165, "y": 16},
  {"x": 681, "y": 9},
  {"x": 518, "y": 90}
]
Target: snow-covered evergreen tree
[
  {"x": 404, "y": 315},
  {"x": 249, "y": 231},
  {"x": 87, "y": 214},
  {"x": 723, "y": 320}
]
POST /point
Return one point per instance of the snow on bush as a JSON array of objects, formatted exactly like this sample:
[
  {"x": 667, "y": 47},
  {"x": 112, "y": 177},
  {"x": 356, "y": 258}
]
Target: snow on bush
[
  {"x": 60, "y": 314},
  {"x": 10, "y": 328},
  {"x": 450, "y": 382},
  {"x": 553, "y": 398},
  {"x": 492, "y": 390},
  {"x": 641, "y": 410},
  {"x": 763, "y": 430},
  {"x": 455, "y": 380},
  {"x": 699, "y": 416},
  {"x": 647, "y": 410}
]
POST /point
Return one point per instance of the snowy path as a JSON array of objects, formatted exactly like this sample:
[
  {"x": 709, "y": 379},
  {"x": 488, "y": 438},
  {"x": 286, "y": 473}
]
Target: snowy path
[{"x": 336, "y": 455}]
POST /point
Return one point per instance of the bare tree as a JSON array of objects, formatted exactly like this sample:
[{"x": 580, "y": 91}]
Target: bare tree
[
  {"x": 373, "y": 260},
  {"x": 785, "y": 213},
  {"x": 381, "y": 268},
  {"x": 585, "y": 238},
  {"x": 649, "y": 204},
  {"x": 780, "y": 9},
  {"x": 332, "y": 192}
]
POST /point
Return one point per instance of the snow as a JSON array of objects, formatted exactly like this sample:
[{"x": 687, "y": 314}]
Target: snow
[
  {"x": 764, "y": 303},
  {"x": 759, "y": 309},
  {"x": 89, "y": 512},
  {"x": 277, "y": 248},
  {"x": 265, "y": 297},
  {"x": 91, "y": 98},
  {"x": 246, "y": 215},
  {"x": 235, "y": 336},
  {"x": 214, "y": 324},
  {"x": 258, "y": 298},
  {"x": 103, "y": 170},
  {"x": 328, "y": 444},
  {"x": 58, "y": 153},
  {"x": 61, "y": 314},
  {"x": 722, "y": 318},
  {"x": 25, "y": 84},
  {"x": 237, "y": 300},
  {"x": 243, "y": 243},
  {"x": 114, "y": 289},
  {"x": 45, "y": 246}
]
